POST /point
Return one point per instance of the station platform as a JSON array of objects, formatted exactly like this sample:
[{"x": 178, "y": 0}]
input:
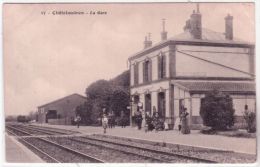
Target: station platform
[
  {"x": 18, "y": 153},
  {"x": 242, "y": 145}
]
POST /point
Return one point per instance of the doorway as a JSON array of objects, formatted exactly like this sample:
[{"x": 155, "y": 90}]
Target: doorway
[
  {"x": 161, "y": 104},
  {"x": 148, "y": 103},
  {"x": 52, "y": 114}
]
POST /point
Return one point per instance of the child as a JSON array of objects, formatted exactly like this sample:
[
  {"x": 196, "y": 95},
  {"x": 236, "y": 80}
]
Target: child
[
  {"x": 179, "y": 126},
  {"x": 104, "y": 122}
]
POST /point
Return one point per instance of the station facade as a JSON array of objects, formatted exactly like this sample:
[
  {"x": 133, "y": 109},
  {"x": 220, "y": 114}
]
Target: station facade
[{"x": 177, "y": 72}]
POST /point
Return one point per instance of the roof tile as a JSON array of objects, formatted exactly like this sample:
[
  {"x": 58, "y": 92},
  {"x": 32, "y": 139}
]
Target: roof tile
[{"x": 222, "y": 86}]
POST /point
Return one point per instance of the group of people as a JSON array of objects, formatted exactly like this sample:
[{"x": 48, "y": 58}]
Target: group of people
[
  {"x": 154, "y": 122},
  {"x": 157, "y": 123},
  {"x": 151, "y": 122},
  {"x": 109, "y": 121}
]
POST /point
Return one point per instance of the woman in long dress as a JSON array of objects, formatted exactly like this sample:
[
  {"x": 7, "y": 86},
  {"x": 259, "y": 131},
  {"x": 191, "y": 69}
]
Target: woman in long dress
[{"x": 185, "y": 129}]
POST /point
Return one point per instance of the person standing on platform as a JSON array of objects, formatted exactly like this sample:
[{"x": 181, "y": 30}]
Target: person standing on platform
[
  {"x": 184, "y": 122},
  {"x": 110, "y": 120},
  {"x": 78, "y": 119},
  {"x": 104, "y": 122},
  {"x": 123, "y": 119},
  {"x": 113, "y": 120},
  {"x": 148, "y": 122},
  {"x": 156, "y": 121},
  {"x": 139, "y": 119}
]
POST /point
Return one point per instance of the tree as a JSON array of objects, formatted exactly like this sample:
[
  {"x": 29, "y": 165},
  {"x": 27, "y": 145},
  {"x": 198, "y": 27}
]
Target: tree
[
  {"x": 119, "y": 101},
  {"x": 84, "y": 111},
  {"x": 122, "y": 80},
  {"x": 11, "y": 118},
  {"x": 112, "y": 95},
  {"x": 217, "y": 110}
]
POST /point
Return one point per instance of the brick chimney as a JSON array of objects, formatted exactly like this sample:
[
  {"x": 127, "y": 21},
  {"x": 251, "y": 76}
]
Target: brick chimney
[
  {"x": 195, "y": 24},
  {"x": 148, "y": 42},
  {"x": 229, "y": 27},
  {"x": 163, "y": 33}
]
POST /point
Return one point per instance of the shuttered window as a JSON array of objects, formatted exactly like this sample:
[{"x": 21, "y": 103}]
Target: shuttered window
[
  {"x": 136, "y": 71},
  {"x": 161, "y": 66},
  {"x": 147, "y": 71}
]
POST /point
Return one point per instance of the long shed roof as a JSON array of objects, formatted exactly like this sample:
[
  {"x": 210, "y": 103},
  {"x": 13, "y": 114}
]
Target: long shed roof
[
  {"x": 204, "y": 86},
  {"x": 55, "y": 101}
]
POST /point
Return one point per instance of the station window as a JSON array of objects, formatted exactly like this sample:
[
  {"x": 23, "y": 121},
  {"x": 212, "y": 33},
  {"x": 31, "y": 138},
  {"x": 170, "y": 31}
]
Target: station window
[
  {"x": 147, "y": 71},
  {"x": 161, "y": 66},
  {"x": 136, "y": 73}
]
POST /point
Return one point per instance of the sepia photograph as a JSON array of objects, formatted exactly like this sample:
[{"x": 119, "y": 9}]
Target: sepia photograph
[{"x": 145, "y": 82}]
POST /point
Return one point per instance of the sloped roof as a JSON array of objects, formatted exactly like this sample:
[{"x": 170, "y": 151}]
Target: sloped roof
[
  {"x": 74, "y": 94},
  {"x": 204, "y": 86},
  {"x": 208, "y": 36}
]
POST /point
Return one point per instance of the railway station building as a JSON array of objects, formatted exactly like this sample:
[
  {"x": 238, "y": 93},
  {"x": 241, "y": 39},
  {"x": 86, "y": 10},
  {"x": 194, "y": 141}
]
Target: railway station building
[
  {"x": 60, "y": 111},
  {"x": 178, "y": 71}
]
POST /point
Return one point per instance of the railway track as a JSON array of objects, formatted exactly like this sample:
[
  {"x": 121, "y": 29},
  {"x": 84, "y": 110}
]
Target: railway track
[
  {"x": 36, "y": 131},
  {"x": 147, "y": 152},
  {"x": 55, "y": 130},
  {"x": 17, "y": 132},
  {"x": 54, "y": 152},
  {"x": 115, "y": 155},
  {"x": 45, "y": 131},
  {"x": 36, "y": 150}
]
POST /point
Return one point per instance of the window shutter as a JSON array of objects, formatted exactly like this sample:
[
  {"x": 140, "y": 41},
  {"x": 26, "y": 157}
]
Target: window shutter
[
  {"x": 159, "y": 66},
  {"x": 144, "y": 72},
  {"x": 163, "y": 66},
  {"x": 150, "y": 70},
  {"x": 136, "y": 73}
]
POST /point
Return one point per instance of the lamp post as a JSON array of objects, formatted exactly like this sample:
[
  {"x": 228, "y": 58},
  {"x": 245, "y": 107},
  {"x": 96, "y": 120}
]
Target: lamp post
[{"x": 131, "y": 110}]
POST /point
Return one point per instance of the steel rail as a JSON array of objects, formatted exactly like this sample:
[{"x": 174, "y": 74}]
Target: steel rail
[
  {"x": 54, "y": 129},
  {"x": 93, "y": 159},
  {"x": 124, "y": 151},
  {"x": 155, "y": 151},
  {"x": 37, "y": 149},
  {"x": 35, "y": 129},
  {"x": 46, "y": 129},
  {"x": 29, "y": 134},
  {"x": 41, "y": 130}
]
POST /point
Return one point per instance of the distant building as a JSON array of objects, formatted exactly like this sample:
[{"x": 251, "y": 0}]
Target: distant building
[
  {"x": 177, "y": 72},
  {"x": 60, "y": 111}
]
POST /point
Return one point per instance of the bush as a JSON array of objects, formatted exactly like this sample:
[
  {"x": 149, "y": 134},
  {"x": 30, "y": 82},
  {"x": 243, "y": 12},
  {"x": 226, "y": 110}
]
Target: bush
[
  {"x": 217, "y": 110},
  {"x": 250, "y": 118},
  {"x": 208, "y": 131}
]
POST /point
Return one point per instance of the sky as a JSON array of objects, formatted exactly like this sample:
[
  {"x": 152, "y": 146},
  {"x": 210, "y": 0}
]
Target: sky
[{"x": 47, "y": 57}]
